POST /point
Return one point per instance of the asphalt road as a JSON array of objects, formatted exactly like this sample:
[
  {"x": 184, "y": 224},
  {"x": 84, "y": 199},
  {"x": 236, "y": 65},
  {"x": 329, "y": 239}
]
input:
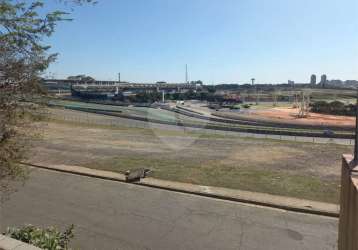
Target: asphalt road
[
  {"x": 113, "y": 215},
  {"x": 96, "y": 119}
]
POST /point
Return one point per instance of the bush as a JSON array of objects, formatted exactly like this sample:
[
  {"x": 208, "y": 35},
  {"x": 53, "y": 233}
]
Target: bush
[
  {"x": 235, "y": 107},
  {"x": 321, "y": 107},
  {"x": 333, "y": 108},
  {"x": 44, "y": 238},
  {"x": 246, "y": 106}
]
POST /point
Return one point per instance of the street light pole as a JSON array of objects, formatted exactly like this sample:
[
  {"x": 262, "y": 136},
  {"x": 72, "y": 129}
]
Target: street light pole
[{"x": 256, "y": 94}]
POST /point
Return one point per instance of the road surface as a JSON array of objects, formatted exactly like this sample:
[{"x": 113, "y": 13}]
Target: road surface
[
  {"x": 97, "y": 119},
  {"x": 113, "y": 215}
]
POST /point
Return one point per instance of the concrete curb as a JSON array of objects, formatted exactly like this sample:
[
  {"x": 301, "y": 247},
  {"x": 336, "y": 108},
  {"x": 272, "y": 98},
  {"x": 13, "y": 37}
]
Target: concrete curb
[
  {"x": 7, "y": 243},
  {"x": 261, "y": 199}
]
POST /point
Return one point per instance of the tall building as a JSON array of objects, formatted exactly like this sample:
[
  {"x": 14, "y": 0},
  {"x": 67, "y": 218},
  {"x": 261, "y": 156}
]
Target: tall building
[
  {"x": 291, "y": 83},
  {"x": 313, "y": 79},
  {"x": 323, "y": 81}
]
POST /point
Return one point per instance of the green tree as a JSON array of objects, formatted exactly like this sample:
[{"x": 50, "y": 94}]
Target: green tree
[{"x": 23, "y": 57}]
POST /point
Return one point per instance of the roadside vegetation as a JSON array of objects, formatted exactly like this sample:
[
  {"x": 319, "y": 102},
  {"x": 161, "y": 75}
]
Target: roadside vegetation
[
  {"x": 334, "y": 108},
  {"x": 244, "y": 176},
  {"x": 302, "y": 170},
  {"x": 45, "y": 238},
  {"x": 23, "y": 58},
  {"x": 157, "y": 97}
]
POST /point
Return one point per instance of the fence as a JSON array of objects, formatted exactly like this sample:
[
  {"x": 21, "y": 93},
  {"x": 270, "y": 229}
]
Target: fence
[
  {"x": 244, "y": 126},
  {"x": 111, "y": 121}
]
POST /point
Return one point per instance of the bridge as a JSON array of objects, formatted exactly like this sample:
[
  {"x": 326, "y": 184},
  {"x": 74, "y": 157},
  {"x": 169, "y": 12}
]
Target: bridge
[{"x": 113, "y": 86}]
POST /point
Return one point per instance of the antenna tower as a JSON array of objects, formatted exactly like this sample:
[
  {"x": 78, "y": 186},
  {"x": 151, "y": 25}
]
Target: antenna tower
[{"x": 304, "y": 106}]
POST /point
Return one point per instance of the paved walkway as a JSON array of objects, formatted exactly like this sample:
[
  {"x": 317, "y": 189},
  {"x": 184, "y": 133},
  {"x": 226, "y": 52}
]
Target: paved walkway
[{"x": 115, "y": 215}]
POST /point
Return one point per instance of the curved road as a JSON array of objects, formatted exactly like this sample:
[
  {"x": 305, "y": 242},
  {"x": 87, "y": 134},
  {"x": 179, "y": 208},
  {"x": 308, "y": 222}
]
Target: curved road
[
  {"x": 207, "y": 122},
  {"x": 97, "y": 119}
]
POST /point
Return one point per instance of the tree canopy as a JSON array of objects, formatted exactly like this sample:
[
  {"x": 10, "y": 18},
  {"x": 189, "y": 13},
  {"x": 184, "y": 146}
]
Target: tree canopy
[{"x": 23, "y": 57}]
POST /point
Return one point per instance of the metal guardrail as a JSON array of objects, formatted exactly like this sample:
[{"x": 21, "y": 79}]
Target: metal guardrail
[
  {"x": 287, "y": 125},
  {"x": 215, "y": 127},
  {"x": 253, "y": 122},
  {"x": 144, "y": 123}
]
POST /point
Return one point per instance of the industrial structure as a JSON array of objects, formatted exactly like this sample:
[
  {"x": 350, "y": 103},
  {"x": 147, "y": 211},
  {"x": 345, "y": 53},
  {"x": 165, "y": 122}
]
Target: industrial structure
[
  {"x": 86, "y": 86},
  {"x": 304, "y": 105}
]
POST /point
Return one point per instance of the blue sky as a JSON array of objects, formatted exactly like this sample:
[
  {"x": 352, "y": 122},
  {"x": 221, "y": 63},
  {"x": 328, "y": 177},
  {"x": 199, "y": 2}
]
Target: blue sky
[{"x": 222, "y": 41}]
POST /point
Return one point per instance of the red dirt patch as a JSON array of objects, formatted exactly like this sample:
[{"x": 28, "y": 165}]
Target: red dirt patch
[{"x": 289, "y": 115}]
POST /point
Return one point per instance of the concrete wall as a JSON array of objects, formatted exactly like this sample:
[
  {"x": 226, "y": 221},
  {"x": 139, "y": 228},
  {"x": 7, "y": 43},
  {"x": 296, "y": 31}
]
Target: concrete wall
[{"x": 348, "y": 222}]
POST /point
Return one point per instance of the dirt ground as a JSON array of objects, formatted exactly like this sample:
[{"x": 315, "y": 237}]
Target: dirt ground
[
  {"x": 283, "y": 114},
  {"x": 289, "y": 115},
  {"x": 313, "y": 118},
  {"x": 304, "y": 170}
]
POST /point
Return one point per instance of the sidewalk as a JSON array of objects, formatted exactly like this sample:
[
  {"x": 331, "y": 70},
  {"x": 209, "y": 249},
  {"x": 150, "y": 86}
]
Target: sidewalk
[
  {"x": 7, "y": 243},
  {"x": 274, "y": 201}
]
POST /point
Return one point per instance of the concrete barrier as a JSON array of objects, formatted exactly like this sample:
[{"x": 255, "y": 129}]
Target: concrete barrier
[
  {"x": 7, "y": 243},
  {"x": 348, "y": 221}
]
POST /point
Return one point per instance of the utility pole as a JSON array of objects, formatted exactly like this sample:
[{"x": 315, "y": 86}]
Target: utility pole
[
  {"x": 304, "y": 107},
  {"x": 274, "y": 98},
  {"x": 256, "y": 93},
  {"x": 119, "y": 77},
  {"x": 186, "y": 73}
]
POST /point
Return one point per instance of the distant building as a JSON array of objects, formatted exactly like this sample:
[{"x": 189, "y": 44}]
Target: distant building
[
  {"x": 313, "y": 79},
  {"x": 81, "y": 78},
  {"x": 336, "y": 83},
  {"x": 291, "y": 83},
  {"x": 199, "y": 82},
  {"x": 323, "y": 82}
]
